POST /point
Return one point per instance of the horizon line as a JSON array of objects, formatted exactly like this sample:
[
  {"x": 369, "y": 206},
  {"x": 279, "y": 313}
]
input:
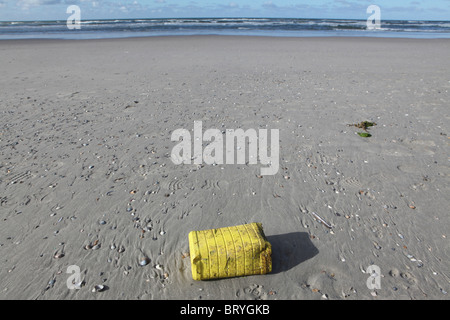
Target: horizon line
[{"x": 231, "y": 17}]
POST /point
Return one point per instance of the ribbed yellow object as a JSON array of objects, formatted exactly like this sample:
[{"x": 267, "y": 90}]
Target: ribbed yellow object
[{"x": 229, "y": 252}]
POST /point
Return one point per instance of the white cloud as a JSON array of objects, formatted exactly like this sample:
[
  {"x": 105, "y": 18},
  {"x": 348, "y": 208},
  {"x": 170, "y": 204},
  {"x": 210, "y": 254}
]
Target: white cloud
[
  {"x": 269, "y": 4},
  {"x": 26, "y": 4}
]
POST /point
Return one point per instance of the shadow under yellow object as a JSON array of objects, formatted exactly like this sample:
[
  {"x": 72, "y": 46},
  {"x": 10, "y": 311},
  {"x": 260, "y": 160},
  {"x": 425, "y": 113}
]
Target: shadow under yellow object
[{"x": 229, "y": 252}]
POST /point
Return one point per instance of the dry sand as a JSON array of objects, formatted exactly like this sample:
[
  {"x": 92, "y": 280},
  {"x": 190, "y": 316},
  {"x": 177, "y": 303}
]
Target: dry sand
[{"x": 85, "y": 146}]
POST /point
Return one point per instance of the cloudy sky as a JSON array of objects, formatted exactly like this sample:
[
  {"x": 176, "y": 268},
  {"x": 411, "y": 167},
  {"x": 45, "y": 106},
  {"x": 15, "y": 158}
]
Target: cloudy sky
[{"x": 11, "y": 10}]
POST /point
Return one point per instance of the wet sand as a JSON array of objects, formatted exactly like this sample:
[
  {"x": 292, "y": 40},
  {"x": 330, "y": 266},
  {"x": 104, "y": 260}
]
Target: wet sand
[{"x": 86, "y": 177}]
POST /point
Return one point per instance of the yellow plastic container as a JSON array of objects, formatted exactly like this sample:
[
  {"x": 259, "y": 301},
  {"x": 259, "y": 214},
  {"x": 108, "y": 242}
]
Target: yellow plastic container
[{"x": 229, "y": 252}]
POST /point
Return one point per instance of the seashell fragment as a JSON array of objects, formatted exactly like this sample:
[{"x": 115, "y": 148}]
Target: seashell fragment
[
  {"x": 78, "y": 285},
  {"x": 144, "y": 261},
  {"x": 58, "y": 255},
  {"x": 185, "y": 255},
  {"x": 92, "y": 246},
  {"x": 98, "y": 288}
]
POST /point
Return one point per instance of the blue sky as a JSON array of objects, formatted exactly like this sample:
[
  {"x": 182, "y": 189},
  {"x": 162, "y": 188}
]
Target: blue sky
[{"x": 116, "y": 9}]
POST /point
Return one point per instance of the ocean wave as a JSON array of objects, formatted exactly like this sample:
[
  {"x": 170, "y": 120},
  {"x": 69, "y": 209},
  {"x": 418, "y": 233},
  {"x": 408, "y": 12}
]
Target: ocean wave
[{"x": 99, "y": 28}]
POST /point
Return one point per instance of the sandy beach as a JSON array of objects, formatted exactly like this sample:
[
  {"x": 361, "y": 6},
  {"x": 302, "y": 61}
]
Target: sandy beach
[{"x": 87, "y": 180}]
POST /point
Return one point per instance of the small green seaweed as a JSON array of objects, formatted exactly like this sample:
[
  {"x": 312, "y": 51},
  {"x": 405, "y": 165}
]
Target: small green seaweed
[
  {"x": 363, "y": 125},
  {"x": 364, "y": 134}
]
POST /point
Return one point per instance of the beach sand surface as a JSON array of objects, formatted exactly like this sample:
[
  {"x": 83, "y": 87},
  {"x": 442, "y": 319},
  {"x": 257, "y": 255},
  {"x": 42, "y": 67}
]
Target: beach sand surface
[{"x": 86, "y": 177}]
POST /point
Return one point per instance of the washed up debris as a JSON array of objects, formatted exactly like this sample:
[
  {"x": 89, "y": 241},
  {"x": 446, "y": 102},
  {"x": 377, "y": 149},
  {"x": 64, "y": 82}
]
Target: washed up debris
[
  {"x": 225, "y": 252},
  {"x": 365, "y": 125}
]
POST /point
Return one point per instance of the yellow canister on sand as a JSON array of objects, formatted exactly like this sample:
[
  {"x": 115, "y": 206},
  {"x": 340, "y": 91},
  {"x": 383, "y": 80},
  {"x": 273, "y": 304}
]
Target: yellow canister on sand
[{"x": 229, "y": 252}]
